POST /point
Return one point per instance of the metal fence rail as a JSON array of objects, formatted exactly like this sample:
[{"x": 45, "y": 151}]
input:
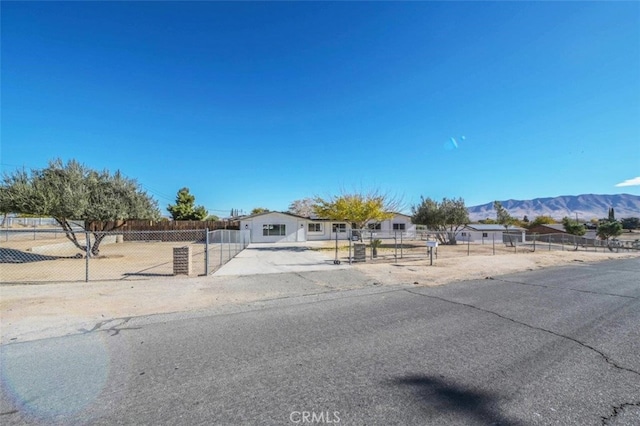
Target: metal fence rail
[
  {"x": 47, "y": 255},
  {"x": 395, "y": 245}
]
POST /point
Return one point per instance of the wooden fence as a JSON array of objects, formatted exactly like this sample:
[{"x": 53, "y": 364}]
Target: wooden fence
[{"x": 172, "y": 225}]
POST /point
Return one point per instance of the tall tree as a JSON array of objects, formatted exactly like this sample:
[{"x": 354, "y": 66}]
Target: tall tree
[
  {"x": 612, "y": 215},
  {"x": 504, "y": 218},
  {"x": 185, "y": 208},
  {"x": 73, "y": 194},
  {"x": 446, "y": 217},
  {"x": 303, "y": 207},
  {"x": 357, "y": 208}
]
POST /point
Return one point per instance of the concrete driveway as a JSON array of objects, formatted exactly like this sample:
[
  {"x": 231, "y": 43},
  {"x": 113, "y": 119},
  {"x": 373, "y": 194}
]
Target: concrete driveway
[{"x": 275, "y": 258}]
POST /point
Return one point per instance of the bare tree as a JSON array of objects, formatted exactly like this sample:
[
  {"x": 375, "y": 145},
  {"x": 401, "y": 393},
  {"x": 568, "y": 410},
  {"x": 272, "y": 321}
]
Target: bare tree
[{"x": 303, "y": 207}]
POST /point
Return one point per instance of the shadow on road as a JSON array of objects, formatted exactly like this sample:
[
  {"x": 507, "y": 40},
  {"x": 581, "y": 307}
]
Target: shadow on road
[{"x": 444, "y": 397}]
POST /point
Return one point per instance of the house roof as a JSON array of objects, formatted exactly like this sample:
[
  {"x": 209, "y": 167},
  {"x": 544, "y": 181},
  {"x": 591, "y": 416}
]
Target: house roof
[
  {"x": 314, "y": 218},
  {"x": 268, "y": 213},
  {"x": 555, "y": 226},
  {"x": 492, "y": 227}
]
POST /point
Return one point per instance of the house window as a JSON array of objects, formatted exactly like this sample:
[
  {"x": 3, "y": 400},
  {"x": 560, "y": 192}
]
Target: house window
[
  {"x": 399, "y": 226},
  {"x": 485, "y": 235},
  {"x": 315, "y": 227},
  {"x": 270, "y": 230},
  {"x": 463, "y": 234},
  {"x": 375, "y": 226},
  {"x": 340, "y": 227}
]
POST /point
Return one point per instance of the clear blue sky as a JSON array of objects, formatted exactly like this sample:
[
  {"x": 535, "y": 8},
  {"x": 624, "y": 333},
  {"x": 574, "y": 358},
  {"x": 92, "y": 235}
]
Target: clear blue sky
[{"x": 259, "y": 104}]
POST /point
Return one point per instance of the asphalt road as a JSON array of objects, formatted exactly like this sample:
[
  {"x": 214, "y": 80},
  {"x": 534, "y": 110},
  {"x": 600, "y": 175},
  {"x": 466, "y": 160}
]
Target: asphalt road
[{"x": 558, "y": 346}]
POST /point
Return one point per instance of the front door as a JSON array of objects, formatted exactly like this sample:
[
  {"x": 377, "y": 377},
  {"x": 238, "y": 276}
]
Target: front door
[{"x": 301, "y": 235}]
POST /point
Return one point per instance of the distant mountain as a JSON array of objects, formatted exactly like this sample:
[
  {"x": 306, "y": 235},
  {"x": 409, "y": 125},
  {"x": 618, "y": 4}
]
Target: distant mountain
[{"x": 587, "y": 206}]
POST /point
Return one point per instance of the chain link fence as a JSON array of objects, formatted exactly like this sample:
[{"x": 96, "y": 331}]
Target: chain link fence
[
  {"x": 223, "y": 245},
  {"x": 376, "y": 245},
  {"x": 47, "y": 255}
]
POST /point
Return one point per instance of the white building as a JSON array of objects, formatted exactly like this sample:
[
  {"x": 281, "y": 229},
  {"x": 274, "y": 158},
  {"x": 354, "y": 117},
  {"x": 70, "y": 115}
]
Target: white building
[
  {"x": 486, "y": 234},
  {"x": 273, "y": 227}
]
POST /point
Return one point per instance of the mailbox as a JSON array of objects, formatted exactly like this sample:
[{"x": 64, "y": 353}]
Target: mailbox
[{"x": 432, "y": 244}]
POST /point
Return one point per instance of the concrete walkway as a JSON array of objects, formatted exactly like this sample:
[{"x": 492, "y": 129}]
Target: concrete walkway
[{"x": 275, "y": 258}]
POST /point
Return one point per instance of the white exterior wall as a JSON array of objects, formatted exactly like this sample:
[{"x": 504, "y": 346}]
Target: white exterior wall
[
  {"x": 387, "y": 225},
  {"x": 327, "y": 231},
  {"x": 295, "y": 229},
  {"x": 321, "y": 235},
  {"x": 476, "y": 236}
]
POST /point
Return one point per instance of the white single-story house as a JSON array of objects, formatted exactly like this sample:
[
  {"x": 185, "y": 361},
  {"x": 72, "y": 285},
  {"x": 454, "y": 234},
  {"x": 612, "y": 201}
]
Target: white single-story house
[
  {"x": 486, "y": 234},
  {"x": 273, "y": 227}
]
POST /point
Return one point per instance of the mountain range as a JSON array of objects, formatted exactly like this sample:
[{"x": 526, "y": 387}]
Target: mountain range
[{"x": 586, "y": 206}]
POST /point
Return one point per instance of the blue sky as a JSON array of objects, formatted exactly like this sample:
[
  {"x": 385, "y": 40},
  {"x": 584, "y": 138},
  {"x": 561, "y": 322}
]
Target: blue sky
[{"x": 259, "y": 104}]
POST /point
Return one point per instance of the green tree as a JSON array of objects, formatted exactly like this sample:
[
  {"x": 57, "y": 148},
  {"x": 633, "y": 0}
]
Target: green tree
[
  {"x": 488, "y": 221},
  {"x": 73, "y": 194},
  {"x": 356, "y": 208},
  {"x": 573, "y": 227},
  {"x": 259, "y": 210},
  {"x": 446, "y": 217},
  {"x": 504, "y": 218},
  {"x": 185, "y": 208},
  {"x": 609, "y": 229},
  {"x": 541, "y": 220},
  {"x": 612, "y": 215},
  {"x": 630, "y": 223}
]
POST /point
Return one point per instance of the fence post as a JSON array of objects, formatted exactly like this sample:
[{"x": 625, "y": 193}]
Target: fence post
[
  {"x": 401, "y": 245},
  {"x": 88, "y": 255},
  {"x": 370, "y": 244},
  {"x": 221, "y": 246},
  {"x": 206, "y": 251},
  {"x": 468, "y": 244},
  {"x": 493, "y": 238},
  {"x": 395, "y": 246}
]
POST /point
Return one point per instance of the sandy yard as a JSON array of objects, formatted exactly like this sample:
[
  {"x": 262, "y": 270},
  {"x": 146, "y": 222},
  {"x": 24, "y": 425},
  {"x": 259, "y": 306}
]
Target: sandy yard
[{"x": 29, "y": 311}]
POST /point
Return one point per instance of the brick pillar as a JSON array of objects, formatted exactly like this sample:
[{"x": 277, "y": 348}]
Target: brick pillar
[{"x": 182, "y": 261}]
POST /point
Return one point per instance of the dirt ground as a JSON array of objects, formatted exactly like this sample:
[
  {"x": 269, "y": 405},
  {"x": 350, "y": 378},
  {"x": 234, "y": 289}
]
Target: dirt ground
[{"x": 29, "y": 311}]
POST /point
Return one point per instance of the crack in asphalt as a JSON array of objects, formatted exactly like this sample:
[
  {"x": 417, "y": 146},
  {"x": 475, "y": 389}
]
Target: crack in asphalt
[
  {"x": 602, "y": 354},
  {"x": 563, "y": 288},
  {"x": 617, "y": 410},
  {"x": 115, "y": 328}
]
